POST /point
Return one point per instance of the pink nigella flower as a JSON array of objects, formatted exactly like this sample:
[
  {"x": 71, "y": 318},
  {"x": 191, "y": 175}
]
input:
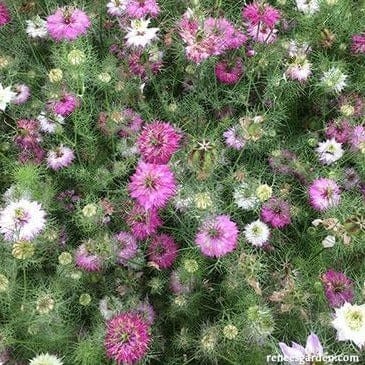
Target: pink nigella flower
[
  {"x": 233, "y": 138},
  {"x": 262, "y": 33},
  {"x": 127, "y": 247},
  {"x": 142, "y": 222},
  {"x": 127, "y": 338},
  {"x": 142, "y": 8},
  {"x": 299, "y": 70},
  {"x": 22, "y": 94},
  {"x": 229, "y": 73},
  {"x": 60, "y": 157},
  {"x": 162, "y": 251},
  {"x": 340, "y": 130},
  {"x": 158, "y": 142},
  {"x": 276, "y": 213},
  {"x": 299, "y": 354},
  {"x": 145, "y": 63},
  {"x": 324, "y": 194},
  {"x": 67, "y": 24},
  {"x": 358, "y": 43},
  {"x": 86, "y": 259},
  {"x": 261, "y": 13},
  {"x": 352, "y": 104},
  {"x": 146, "y": 311},
  {"x": 65, "y": 105},
  {"x": 357, "y": 138},
  {"x": 217, "y": 236},
  {"x": 152, "y": 185},
  {"x": 5, "y": 17},
  {"x": 132, "y": 123},
  {"x": 338, "y": 288}
]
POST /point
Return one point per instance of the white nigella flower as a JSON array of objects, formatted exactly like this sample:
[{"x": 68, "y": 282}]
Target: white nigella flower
[
  {"x": 296, "y": 49},
  {"x": 6, "y": 95},
  {"x": 48, "y": 125},
  {"x": 308, "y": 6},
  {"x": 36, "y": 27},
  {"x": 257, "y": 233},
  {"x": 22, "y": 220},
  {"x": 243, "y": 199},
  {"x": 350, "y": 323},
  {"x": 139, "y": 35},
  {"x": 45, "y": 359},
  {"x": 329, "y": 151},
  {"x": 334, "y": 80},
  {"x": 116, "y": 7}
]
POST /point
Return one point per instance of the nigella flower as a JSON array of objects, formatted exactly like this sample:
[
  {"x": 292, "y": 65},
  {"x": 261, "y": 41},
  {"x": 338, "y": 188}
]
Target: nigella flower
[
  {"x": 60, "y": 157},
  {"x": 229, "y": 72},
  {"x": 276, "y": 213},
  {"x": 127, "y": 338},
  {"x": 324, "y": 194},
  {"x": 329, "y": 151},
  {"x": 87, "y": 259},
  {"x": 217, "y": 236},
  {"x": 244, "y": 198},
  {"x": 296, "y": 353},
  {"x": 48, "y": 124},
  {"x": 337, "y": 287},
  {"x": 352, "y": 105},
  {"x": 146, "y": 62},
  {"x": 351, "y": 178},
  {"x": 45, "y": 359},
  {"x": 5, "y": 17},
  {"x": 339, "y": 130},
  {"x": 179, "y": 284},
  {"x": 257, "y": 233},
  {"x": 126, "y": 247},
  {"x": 307, "y": 6},
  {"x": 262, "y": 33},
  {"x": 162, "y": 251},
  {"x": 139, "y": 35},
  {"x": 131, "y": 121},
  {"x": 234, "y": 137},
  {"x": 349, "y": 322},
  {"x": 22, "y": 220},
  {"x": 142, "y": 222},
  {"x": 142, "y": 8},
  {"x": 334, "y": 80},
  {"x": 158, "y": 142},
  {"x": 36, "y": 27},
  {"x": 68, "y": 24},
  {"x": 152, "y": 185},
  {"x": 256, "y": 13},
  {"x": 22, "y": 93},
  {"x": 65, "y": 105},
  {"x": 299, "y": 70},
  {"x": 6, "y": 96},
  {"x": 116, "y": 7},
  {"x": 358, "y": 43},
  {"x": 146, "y": 311}
]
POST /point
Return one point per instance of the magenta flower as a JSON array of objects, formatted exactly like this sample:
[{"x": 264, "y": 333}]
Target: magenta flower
[
  {"x": 217, "y": 236},
  {"x": 127, "y": 247},
  {"x": 67, "y": 24},
  {"x": 324, "y": 194},
  {"x": 142, "y": 8},
  {"x": 276, "y": 213},
  {"x": 152, "y": 185},
  {"x": 5, "y": 17},
  {"x": 297, "y": 353},
  {"x": 229, "y": 73},
  {"x": 358, "y": 43},
  {"x": 142, "y": 222},
  {"x": 262, "y": 33},
  {"x": 60, "y": 157},
  {"x": 65, "y": 105},
  {"x": 256, "y": 13},
  {"x": 340, "y": 130},
  {"x": 86, "y": 259},
  {"x": 158, "y": 142},
  {"x": 22, "y": 94},
  {"x": 132, "y": 123},
  {"x": 127, "y": 338},
  {"x": 162, "y": 251},
  {"x": 338, "y": 288}
]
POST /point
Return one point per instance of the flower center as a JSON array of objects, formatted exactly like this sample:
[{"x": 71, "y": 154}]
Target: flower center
[
  {"x": 355, "y": 320},
  {"x": 21, "y": 216},
  {"x": 150, "y": 182}
]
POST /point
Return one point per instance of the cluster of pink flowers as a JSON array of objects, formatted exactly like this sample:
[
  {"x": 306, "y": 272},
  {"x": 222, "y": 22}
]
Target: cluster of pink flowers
[
  {"x": 5, "y": 17},
  {"x": 67, "y": 24},
  {"x": 261, "y": 20},
  {"x": 212, "y": 37}
]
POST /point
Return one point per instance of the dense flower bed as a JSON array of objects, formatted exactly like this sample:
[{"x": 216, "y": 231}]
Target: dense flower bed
[{"x": 182, "y": 182}]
